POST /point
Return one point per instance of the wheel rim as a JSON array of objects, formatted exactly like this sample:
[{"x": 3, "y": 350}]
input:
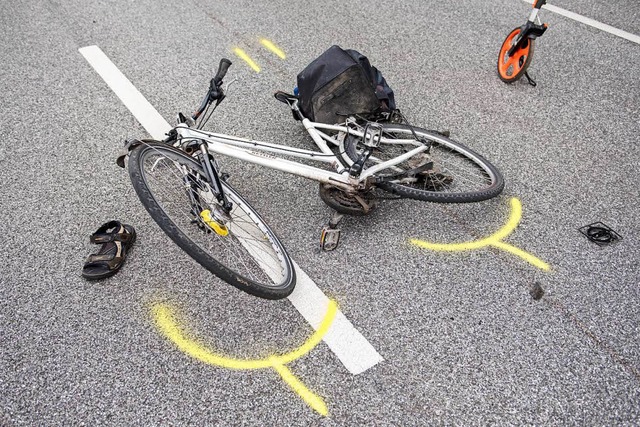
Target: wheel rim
[
  {"x": 510, "y": 68},
  {"x": 249, "y": 250}
]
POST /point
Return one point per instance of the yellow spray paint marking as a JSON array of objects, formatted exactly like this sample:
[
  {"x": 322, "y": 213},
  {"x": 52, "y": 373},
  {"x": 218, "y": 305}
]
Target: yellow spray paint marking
[
  {"x": 494, "y": 240},
  {"x": 165, "y": 319},
  {"x": 242, "y": 54},
  {"x": 273, "y": 48}
]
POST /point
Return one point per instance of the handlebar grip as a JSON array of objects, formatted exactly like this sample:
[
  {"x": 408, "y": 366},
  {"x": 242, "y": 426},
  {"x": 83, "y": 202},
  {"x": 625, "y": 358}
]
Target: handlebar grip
[
  {"x": 538, "y": 4},
  {"x": 222, "y": 70}
]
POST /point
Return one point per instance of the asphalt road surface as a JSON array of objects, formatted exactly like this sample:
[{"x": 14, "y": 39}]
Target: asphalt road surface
[{"x": 460, "y": 339}]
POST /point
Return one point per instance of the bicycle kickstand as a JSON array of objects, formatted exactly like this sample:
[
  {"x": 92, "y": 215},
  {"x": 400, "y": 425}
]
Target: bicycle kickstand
[{"x": 330, "y": 234}]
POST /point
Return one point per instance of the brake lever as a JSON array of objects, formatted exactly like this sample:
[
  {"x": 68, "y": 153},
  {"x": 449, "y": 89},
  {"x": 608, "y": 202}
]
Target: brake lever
[
  {"x": 226, "y": 89},
  {"x": 221, "y": 93}
]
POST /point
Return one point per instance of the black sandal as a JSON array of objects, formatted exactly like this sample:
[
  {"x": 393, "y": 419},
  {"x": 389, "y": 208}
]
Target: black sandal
[{"x": 116, "y": 239}]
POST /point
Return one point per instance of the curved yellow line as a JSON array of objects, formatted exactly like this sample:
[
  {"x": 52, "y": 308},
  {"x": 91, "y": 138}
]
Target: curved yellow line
[
  {"x": 508, "y": 228},
  {"x": 494, "y": 240},
  {"x": 165, "y": 319},
  {"x": 313, "y": 340}
]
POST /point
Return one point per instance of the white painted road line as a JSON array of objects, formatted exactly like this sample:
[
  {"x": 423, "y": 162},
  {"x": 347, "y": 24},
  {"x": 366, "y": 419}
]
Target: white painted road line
[
  {"x": 592, "y": 22},
  {"x": 143, "y": 111},
  {"x": 346, "y": 342},
  {"x": 355, "y": 352}
]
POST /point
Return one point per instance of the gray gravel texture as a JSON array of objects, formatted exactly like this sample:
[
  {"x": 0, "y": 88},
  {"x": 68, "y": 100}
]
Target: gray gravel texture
[{"x": 463, "y": 341}]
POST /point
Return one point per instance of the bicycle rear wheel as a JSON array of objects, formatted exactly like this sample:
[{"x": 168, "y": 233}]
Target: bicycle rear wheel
[
  {"x": 448, "y": 173},
  {"x": 511, "y": 68},
  {"x": 249, "y": 257}
]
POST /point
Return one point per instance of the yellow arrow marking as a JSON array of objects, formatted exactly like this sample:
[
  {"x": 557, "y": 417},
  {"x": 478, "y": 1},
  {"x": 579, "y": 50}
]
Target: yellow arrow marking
[
  {"x": 165, "y": 319},
  {"x": 273, "y": 48},
  {"x": 246, "y": 58},
  {"x": 494, "y": 240}
]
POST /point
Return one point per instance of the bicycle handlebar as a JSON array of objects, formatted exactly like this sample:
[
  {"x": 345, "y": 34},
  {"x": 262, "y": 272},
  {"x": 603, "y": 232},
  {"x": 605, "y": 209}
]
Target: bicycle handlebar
[
  {"x": 215, "y": 92},
  {"x": 222, "y": 71}
]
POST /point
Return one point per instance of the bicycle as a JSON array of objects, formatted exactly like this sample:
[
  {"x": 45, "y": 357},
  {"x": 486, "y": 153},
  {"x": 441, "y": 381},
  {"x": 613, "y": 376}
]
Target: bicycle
[
  {"x": 516, "y": 51},
  {"x": 180, "y": 183}
]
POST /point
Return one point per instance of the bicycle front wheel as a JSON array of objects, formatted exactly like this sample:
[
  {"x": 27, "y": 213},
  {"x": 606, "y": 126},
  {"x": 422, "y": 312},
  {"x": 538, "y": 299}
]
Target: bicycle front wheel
[
  {"x": 175, "y": 191},
  {"x": 448, "y": 173}
]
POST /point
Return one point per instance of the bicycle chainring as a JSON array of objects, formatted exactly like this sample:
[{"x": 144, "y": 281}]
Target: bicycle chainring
[{"x": 357, "y": 204}]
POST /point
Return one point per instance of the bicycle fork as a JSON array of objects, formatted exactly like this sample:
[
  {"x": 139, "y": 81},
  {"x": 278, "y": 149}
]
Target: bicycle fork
[{"x": 217, "y": 217}]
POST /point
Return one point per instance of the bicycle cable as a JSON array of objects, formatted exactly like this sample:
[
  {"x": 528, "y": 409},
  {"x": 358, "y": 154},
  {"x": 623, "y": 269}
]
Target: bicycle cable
[
  {"x": 202, "y": 116},
  {"x": 204, "y": 121},
  {"x": 404, "y": 119}
]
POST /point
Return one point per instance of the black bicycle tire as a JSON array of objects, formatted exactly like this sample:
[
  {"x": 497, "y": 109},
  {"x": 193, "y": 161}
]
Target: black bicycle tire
[
  {"x": 191, "y": 248},
  {"x": 436, "y": 196},
  {"x": 526, "y": 64}
]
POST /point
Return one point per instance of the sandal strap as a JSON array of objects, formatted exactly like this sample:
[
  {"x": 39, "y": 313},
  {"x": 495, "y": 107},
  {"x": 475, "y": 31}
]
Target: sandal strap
[
  {"x": 100, "y": 257},
  {"x": 119, "y": 233},
  {"x": 98, "y": 260},
  {"x": 101, "y": 238},
  {"x": 106, "y": 238}
]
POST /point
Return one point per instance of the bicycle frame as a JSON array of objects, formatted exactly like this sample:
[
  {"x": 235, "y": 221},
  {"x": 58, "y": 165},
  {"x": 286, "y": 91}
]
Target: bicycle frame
[{"x": 267, "y": 154}]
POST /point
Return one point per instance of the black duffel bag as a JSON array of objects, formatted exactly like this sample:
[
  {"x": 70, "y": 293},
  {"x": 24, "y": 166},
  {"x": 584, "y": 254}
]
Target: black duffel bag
[{"x": 340, "y": 83}]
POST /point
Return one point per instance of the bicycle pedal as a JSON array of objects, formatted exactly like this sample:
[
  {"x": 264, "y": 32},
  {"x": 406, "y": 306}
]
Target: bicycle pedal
[{"x": 329, "y": 238}]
